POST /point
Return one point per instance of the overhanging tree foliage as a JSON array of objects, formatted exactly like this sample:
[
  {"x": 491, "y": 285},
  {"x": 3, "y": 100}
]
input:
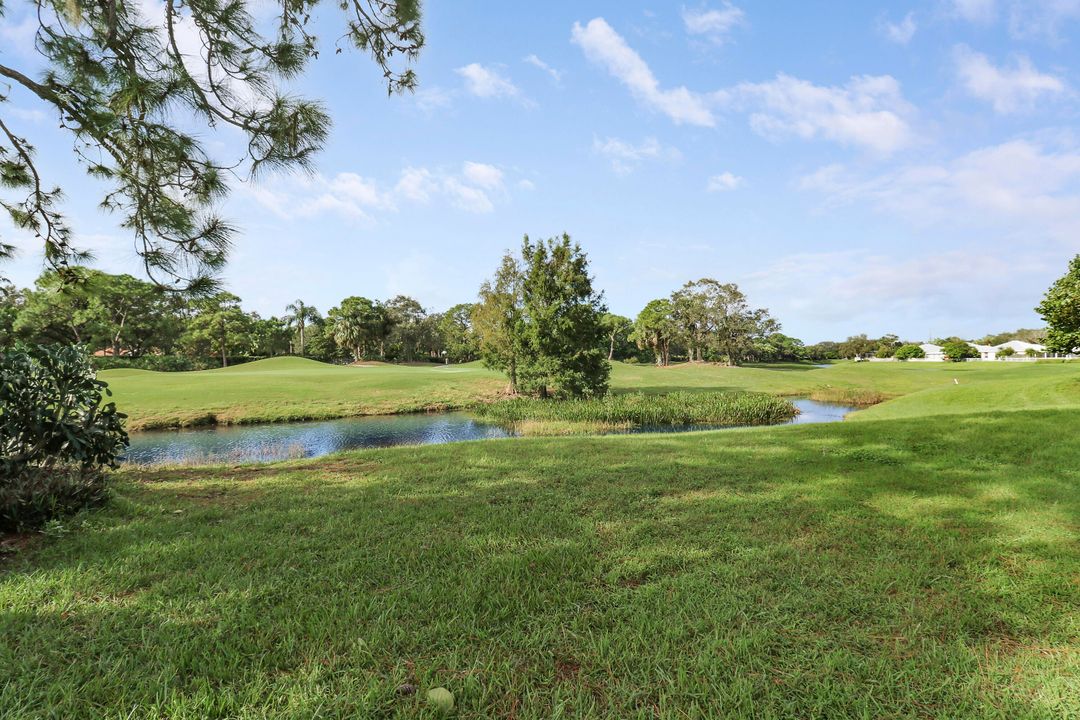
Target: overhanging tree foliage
[
  {"x": 133, "y": 90},
  {"x": 1061, "y": 311}
]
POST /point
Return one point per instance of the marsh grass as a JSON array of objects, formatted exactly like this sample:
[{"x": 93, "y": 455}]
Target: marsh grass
[
  {"x": 856, "y": 397},
  {"x": 640, "y": 410}
]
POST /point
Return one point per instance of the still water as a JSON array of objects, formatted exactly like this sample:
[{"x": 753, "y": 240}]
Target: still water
[{"x": 265, "y": 443}]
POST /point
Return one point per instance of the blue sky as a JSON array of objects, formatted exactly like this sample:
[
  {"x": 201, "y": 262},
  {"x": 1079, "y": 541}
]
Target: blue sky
[{"x": 875, "y": 167}]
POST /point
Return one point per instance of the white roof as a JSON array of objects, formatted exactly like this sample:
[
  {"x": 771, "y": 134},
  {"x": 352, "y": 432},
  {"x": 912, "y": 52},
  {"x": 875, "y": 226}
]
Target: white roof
[
  {"x": 1021, "y": 346},
  {"x": 931, "y": 348}
]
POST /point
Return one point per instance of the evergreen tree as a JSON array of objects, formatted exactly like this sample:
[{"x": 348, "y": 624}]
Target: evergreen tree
[
  {"x": 133, "y": 82},
  {"x": 563, "y": 333},
  {"x": 498, "y": 320}
]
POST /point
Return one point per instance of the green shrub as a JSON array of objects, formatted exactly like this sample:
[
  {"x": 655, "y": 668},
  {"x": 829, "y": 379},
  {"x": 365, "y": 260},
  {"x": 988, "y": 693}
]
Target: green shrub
[
  {"x": 166, "y": 363},
  {"x": 958, "y": 351},
  {"x": 909, "y": 352},
  {"x": 681, "y": 408},
  {"x": 56, "y": 434},
  {"x": 36, "y": 495}
]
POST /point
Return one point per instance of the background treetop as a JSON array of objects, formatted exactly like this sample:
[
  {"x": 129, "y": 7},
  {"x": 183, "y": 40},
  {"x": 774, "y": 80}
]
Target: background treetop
[{"x": 133, "y": 90}]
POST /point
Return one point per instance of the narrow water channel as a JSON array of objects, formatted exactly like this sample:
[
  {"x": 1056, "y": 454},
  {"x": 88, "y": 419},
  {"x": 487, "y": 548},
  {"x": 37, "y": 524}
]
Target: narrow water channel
[{"x": 266, "y": 443}]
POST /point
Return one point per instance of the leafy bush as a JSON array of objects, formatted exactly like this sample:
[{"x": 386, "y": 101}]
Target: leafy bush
[
  {"x": 909, "y": 352},
  {"x": 1005, "y": 352},
  {"x": 56, "y": 435},
  {"x": 166, "y": 363},
  {"x": 958, "y": 351}
]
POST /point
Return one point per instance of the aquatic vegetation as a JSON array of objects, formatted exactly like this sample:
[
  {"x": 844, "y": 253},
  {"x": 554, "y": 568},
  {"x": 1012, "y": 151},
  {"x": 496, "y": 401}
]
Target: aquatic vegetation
[{"x": 640, "y": 409}]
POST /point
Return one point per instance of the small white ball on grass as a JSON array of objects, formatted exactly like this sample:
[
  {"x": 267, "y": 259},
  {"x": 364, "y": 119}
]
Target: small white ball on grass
[{"x": 441, "y": 698}]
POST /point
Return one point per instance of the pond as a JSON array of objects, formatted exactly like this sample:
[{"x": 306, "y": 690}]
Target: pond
[{"x": 266, "y": 443}]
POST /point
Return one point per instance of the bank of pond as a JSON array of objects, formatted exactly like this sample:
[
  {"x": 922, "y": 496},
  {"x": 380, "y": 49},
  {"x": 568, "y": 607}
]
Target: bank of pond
[{"x": 615, "y": 414}]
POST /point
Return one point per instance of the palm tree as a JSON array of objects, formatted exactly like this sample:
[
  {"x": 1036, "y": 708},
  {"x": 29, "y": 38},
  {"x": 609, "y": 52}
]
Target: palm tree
[
  {"x": 299, "y": 316},
  {"x": 349, "y": 332}
]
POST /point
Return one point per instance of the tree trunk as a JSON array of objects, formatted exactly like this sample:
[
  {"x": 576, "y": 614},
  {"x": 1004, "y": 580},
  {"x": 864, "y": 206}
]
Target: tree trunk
[
  {"x": 116, "y": 337},
  {"x": 301, "y": 339},
  {"x": 224, "y": 356},
  {"x": 611, "y": 349}
]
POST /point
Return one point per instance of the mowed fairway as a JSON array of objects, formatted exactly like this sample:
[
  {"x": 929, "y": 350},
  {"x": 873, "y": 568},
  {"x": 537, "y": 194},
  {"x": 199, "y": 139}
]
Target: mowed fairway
[{"x": 284, "y": 389}]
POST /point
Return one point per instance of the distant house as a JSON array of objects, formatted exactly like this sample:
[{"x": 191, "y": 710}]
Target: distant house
[
  {"x": 933, "y": 352},
  {"x": 1021, "y": 348}
]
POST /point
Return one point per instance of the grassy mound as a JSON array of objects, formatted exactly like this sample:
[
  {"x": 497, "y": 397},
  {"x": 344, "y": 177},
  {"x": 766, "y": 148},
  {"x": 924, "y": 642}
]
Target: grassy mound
[{"x": 536, "y": 416}]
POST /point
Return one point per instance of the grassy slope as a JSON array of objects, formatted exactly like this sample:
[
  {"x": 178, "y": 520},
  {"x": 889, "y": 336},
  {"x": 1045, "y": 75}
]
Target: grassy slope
[
  {"x": 922, "y": 567},
  {"x": 294, "y": 388},
  {"x": 1043, "y": 386}
]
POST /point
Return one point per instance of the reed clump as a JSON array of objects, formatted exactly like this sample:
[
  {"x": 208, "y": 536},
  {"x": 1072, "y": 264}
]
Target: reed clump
[{"x": 644, "y": 410}]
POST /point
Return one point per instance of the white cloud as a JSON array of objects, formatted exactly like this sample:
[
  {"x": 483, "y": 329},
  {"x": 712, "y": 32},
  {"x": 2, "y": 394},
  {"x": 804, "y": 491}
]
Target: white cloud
[
  {"x": 476, "y": 188},
  {"x": 466, "y": 197},
  {"x": 18, "y": 35},
  {"x": 978, "y": 11},
  {"x": 482, "y": 175},
  {"x": 1007, "y": 89},
  {"x": 296, "y": 196},
  {"x": 485, "y": 82},
  {"x": 869, "y": 111},
  {"x": 713, "y": 24},
  {"x": 1027, "y": 18},
  {"x": 1041, "y": 18},
  {"x": 724, "y": 182},
  {"x": 431, "y": 99},
  {"x": 625, "y": 156},
  {"x": 536, "y": 62},
  {"x": 901, "y": 32},
  {"x": 1017, "y": 189},
  {"x": 416, "y": 184},
  {"x": 29, "y": 115},
  {"x": 605, "y": 47},
  {"x": 929, "y": 291}
]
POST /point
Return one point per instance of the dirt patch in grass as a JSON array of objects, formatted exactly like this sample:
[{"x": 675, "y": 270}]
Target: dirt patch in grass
[{"x": 196, "y": 474}]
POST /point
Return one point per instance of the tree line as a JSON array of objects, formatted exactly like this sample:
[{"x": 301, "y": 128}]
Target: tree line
[
  {"x": 538, "y": 318},
  {"x": 128, "y": 321}
]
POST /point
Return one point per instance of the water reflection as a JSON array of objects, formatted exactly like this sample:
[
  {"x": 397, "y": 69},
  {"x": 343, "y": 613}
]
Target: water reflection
[{"x": 266, "y": 443}]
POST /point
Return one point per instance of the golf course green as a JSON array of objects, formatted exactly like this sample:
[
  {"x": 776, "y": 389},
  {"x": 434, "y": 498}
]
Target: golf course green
[{"x": 920, "y": 560}]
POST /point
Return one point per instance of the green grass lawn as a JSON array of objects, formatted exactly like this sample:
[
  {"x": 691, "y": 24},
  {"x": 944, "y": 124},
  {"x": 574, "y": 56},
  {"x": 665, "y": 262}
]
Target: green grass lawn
[
  {"x": 922, "y": 562},
  {"x": 899, "y": 568},
  {"x": 283, "y": 389},
  {"x": 297, "y": 389}
]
